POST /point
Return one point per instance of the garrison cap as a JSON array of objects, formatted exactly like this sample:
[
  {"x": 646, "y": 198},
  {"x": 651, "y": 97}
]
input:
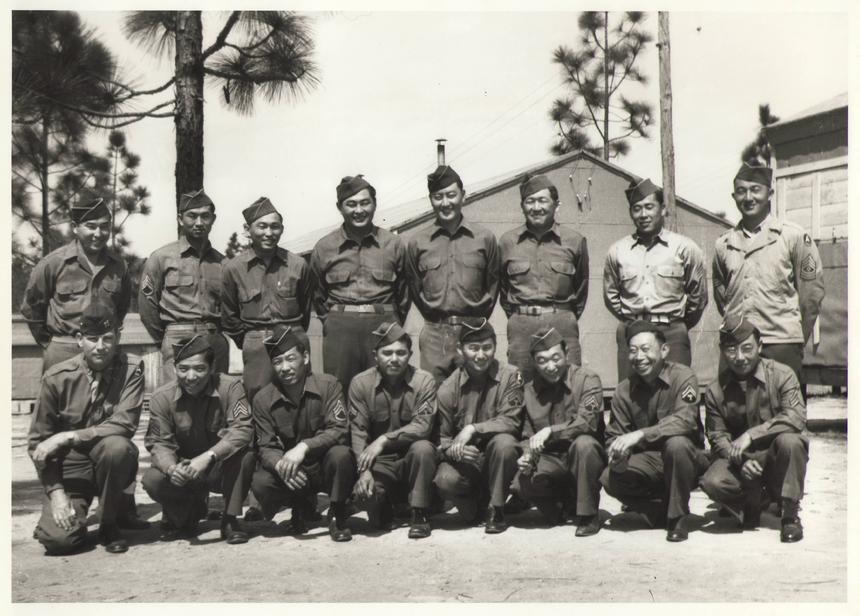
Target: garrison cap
[
  {"x": 351, "y": 185},
  {"x": 443, "y": 177},
  {"x": 191, "y": 200},
  {"x": 755, "y": 172},
  {"x": 534, "y": 183},
  {"x": 735, "y": 330},
  {"x": 284, "y": 338},
  {"x": 544, "y": 340},
  {"x": 98, "y": 319},
  {"x": 261, "y": 207},
  {"x": 476, "y": 330},
  {"x": 639, "y": 190},
  {"x": 189, "y": 347},
  {"x": 91, "y": 208},
  {"x": 638, "y": 327},
  {"x": 389, "y": 333}
]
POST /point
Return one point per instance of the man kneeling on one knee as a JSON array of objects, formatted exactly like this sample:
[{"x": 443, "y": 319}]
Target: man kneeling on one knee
[
  {"x": 199, "y": 429},
  {"x": 754, "y": 416}
]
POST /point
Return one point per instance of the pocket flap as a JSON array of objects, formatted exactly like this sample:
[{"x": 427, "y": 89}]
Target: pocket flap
[
  {"x": 518, "y": 267},
  {"x": 563, "y": 268},
  {"x": 429, "y": 263},
  {"x": 384, "y": 276},
  {"x": 337, "y": 276}
]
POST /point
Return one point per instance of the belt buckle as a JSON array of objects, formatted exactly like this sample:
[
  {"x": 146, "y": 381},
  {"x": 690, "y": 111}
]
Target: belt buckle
[{"x": 366, "y": 308}]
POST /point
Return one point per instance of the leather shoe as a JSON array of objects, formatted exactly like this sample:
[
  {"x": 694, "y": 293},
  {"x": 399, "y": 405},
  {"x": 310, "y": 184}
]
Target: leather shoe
[
  {"x": 677, "y": 531},
  {"x": 495, "y": 522},
  {"x": 792, "y": 530},
  {"x": 296, "y": 525},
  {"x": 111, "y": 538},
  {"x": 337, "y": 532},
  {"x": 254, "y": 515},
  {"x": 419, "y": 527},
  {"x": 588, "y": 525},
  {"x": 231, "y": 532}
]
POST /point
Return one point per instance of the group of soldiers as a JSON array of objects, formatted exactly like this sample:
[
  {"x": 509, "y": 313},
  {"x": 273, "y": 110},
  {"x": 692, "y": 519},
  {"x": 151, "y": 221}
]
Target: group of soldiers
[{"x": 376, "y": 433}]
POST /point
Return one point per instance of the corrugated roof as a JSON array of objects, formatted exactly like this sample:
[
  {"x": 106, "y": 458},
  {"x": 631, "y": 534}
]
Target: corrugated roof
[{"x": 837, "y": 102}]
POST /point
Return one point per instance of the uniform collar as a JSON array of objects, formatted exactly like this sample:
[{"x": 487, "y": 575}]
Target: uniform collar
[
  {"x": 379, "y": 383},
  {"x": 492, "y": 373},
  {"x": 311, "y": 386},
  {"x": 373, "y": 236},
  {"x": 74, "y": 250},
  {"x": 758, "y": 374},
  {"x": 768, "y": 224},
  {"x": 542, "y": 385},
  {"x": 210, "y": 391},
  {"x": 524, "y": 230},
  {"x": 664, "y": 376},
  {"x": 462, "y": 226},
  {"x": 185, "y": 246},
  {"x": 661, "y": 237},
  {"x": 250, "y": 255}
]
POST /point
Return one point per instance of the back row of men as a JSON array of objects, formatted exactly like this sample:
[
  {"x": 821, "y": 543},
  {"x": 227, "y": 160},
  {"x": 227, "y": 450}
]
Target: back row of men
[{"x": 362, "y": 276}]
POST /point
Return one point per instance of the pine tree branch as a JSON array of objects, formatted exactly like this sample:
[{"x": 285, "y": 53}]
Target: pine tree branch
[
  {"x": 27, "y": 181},
  {"x": 222, "y": 36},
  {"x": 256, "y": 79},
  {"x": 132, "y": 93}
]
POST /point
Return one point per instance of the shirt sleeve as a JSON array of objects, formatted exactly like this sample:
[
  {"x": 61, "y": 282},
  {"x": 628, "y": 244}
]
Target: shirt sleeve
[
  {"x": 620, "y": 417},
  {"x": 231, "y": 321},
  {"x": 683, "y": 418},
  {"x": 401, "y": 282},
  {"x": 423, "y": 415},
  {"x": 334, "y": 429},
  {"x": 305, "y": 294},
  {"x": 149, "y": 297},
  {"x": 792, "y": 415},
  {"x": 268, "y": 444},
  {"x": 720, "y": 280},
  {"x": 320, "y": 287},
  {"x": 446, "y": 410},
  {"x": 508, "y": 417},
  {"x": 240, "y": 428},
  {"x": 580, "y": 280},
  {"x": 123, "y": 301},
  {"x": 37, "y": 295},
  {"x": 413, "y": 276},
  {"x": 718, "y": 432},
  {"x": 125, "y": 417},
  {"x": 695, "y": 286},
  {"x": 586, "y": 417},
  {"x": 611, "y": 290},
  {"x": 160, "y": 440},
  {"x": 359, "y": 416},
  {"x": 491, "y": 276},
  {"x": 45, "y": 424},
  {"x": 808, "y": 280}
]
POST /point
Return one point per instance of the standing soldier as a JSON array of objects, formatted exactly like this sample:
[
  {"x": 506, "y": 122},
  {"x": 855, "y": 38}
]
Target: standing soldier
[
  {"x": 80, "y": 436},
  {"x": 360, "y": 281},
  {"x": 453, "y": 270},
  {"x": 67, "y": 280},
  {"x": 301, "y": 430},
  {"x": 654, "y": 275},
  {"x": 562, "y": 436},
  {"x": 479, "y": 408},
  {"x": 544, "y": 275},
  {"x": 199, "y": 429},
  {"x": 180, "y": 291},
  {"x": 768, "y": 271},
  {"x": 391, "y": 414},
  {"x": 260, "y": 288},
  {"x": 755, "y": 417},
  {"x": 654, "y": 439}
]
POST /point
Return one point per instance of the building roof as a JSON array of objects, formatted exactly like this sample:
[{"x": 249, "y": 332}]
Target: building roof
[
  {"x": 412, "y": 213},
  {"x": 837, "y": 102}
]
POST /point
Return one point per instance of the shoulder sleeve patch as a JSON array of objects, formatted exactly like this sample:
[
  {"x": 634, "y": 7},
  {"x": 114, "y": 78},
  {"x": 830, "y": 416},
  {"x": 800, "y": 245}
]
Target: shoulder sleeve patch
[
  {"x": 807, "y": 240},
  {"x": 241, "y": 410},
  {"x": 808, "y": 267},
  {"x": 689, "y": 394},
  {"x": 339, "y": 411}
]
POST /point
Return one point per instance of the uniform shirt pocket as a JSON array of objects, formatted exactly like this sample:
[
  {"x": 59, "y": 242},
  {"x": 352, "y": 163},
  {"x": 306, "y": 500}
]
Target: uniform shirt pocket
[
  {"x": 432, "y": 278},
  {"x": 562, "y": 277},
  {"x": 670, "y": 281},
  {"x": 517, "y": 268},
  {"x": 249, "y": 302},
  {"x": 337, "y": 277},
  {"x": 470, "y": 274},
  {"x": 175, "y": 279},
  {"x": 71, "y": 294}
]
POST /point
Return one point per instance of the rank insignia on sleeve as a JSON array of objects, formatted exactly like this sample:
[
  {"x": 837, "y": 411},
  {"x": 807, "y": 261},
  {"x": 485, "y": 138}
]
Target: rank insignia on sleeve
[
  {"x": 353, "y": 412},
  {"x": 591, "y": 403},
  {"x": 339, "y": 411},
  {"x": 808, "y": 267},
  {"x": 689, "y": 394},
  {"x": 146, "y": 285},
  {"x": 794, "y": 397},
  {"x": 425, "y": 409},
  {"x": 241, "y": 410}
]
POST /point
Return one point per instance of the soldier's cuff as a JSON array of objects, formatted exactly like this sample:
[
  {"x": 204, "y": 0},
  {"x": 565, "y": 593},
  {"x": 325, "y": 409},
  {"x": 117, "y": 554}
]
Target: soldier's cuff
[{"x": 651, "y": 433}]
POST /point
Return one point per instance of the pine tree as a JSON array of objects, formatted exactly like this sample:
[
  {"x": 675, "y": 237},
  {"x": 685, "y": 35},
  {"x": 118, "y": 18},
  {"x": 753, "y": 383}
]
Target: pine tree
[{"x": 760, "y": 149}]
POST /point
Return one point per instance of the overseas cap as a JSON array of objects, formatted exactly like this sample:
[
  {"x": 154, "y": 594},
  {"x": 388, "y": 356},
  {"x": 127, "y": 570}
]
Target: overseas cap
[
  {"x": 284, "y": 338},
  {"x": 97, "y": 319},
  {"x": 544, "y": 340},
  {"x": 476, "y": 330},
  {"x": 443, "y": 177},
  {"x": 261, "y": 207},
  {"x": 735, "y": 330},
  {"x": 91, "y": 208},
  {"x": 532, "y": 184},
  {"x": 351, "y": 185},
  {"x": 755, "y": 173},
  {"x": 639, "y": 327},
  {"x": 388, "y": 333},
  {"x": 639, "y": 190},
  {"x": 192, "y": 200},
  {"x": 189, "y": 347}
]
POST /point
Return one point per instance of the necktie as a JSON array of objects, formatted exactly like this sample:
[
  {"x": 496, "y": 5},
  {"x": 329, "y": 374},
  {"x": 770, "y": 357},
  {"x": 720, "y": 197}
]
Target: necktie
[{"x": 95, "y": 379}]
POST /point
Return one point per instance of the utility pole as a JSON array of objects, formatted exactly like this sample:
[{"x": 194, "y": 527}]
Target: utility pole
[{"x": 667, "y": 144}]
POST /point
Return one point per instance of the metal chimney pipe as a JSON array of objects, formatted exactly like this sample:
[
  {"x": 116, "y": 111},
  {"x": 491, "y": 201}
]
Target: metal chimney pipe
[{"x": 440, "y": 152}]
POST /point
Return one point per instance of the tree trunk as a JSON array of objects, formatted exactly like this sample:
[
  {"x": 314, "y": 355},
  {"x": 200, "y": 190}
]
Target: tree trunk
[
  {"x": 606, "y": 85},
  {"x": 189, "y": 102},
  {"x": 667, "y": 143},
  {"x": 43, "y": 178}
]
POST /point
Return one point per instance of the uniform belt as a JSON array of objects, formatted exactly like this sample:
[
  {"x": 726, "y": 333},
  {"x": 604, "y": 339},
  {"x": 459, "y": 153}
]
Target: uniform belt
[
  {"x": 374, "y": 308},
  {"x": 195, "y": 324},
  {"x": 663, "y": 319},
  {"x": 64, "y": 339},
  {"x": 453, "y": 320},
  {"x": 539, "y": 310}
]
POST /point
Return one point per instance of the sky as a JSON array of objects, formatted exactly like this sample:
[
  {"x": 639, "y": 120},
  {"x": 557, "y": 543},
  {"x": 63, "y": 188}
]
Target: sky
[{"x": 393, "y": 82}]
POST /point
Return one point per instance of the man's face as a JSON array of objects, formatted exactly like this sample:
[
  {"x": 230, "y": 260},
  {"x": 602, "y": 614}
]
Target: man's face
[
  {"x": 193, "y": 373},
  {"x": 291, "y": 367},
  {"x": 196, "y": 223},
  {"x": 742, "y": 358},
  {"x": 358, "y": 210},
  {"x": 93, "y": 234},
  {"x": 478, "y": 355},
  {"x": 99, "y": 350},
  {"x": 752, "y": 199},
  {"x": 647, "y": 354},
  {"x": 448, "y": 202},
  {"x": 392, "y": 360},
  {"x": 648, "y": 215},
  {"x": 266, "y": 231},
  {"x": 539, "y": 209},
  {"x": 551, "y": 364}
]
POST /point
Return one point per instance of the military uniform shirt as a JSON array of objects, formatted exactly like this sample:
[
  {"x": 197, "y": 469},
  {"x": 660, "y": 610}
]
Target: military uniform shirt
[
  {"x": 774, "y": 278},
  {"x": 257, "y": 296},
  {"x": 494, "y": 407},
  {"x": 65, "y": 404},
  {"x": 406, "y": 415},
  {"x": 179, "y": 286},
  {"x": 548, "y": 271},
  {"x": 183, "y": 426},
  {"x": 453, "y": 274},
  {"x": 319, "y": 421},
  {"x": 771, "y": 404},
  {"x": 369, "y": 271},
  {"x": 667, "y": 278},
  {"x": 668, "y": 407},
  {"x": 571, "y": 407},
  {"x": 63, "y": 284}
]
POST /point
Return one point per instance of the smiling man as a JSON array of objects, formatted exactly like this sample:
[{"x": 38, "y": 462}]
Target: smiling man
[
  {"x": 199, "y": 429},
  {"x": 654, "y": 275},
  {"x": 654, "y": 439},
  {"x": 391, "y": 414},
  {"x": 544, "y": 275},
  {"x": 262, "y": 287},
  {"x": 755, "y": 417},
  {"x": 479, "y": 408},
  {"x": 453, "y": 270},
  {"x": 180, "y": 289},
  {"x": 360, "y": 275}
]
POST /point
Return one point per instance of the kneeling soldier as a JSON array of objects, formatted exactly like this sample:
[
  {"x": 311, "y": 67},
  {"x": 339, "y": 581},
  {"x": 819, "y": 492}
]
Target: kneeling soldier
[
  {"x": 80, "y": 435},
  {"x": 754, "y": 416},
  {"x": 391, "y": 413},
  {"x": 563, "y": 435},
  {"x": 480, "y": 407},
  {"x": 199, "y": 428},
  {"x": 654, "y": 438},
  {"x": 301, "y": 428}
]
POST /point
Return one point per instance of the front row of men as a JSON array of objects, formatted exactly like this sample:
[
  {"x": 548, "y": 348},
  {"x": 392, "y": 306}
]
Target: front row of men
[{"x": 483, "y": 433}]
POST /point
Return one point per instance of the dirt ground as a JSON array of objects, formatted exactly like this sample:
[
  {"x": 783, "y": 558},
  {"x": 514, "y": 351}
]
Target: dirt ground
[{"x": 626, "y": 561}]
